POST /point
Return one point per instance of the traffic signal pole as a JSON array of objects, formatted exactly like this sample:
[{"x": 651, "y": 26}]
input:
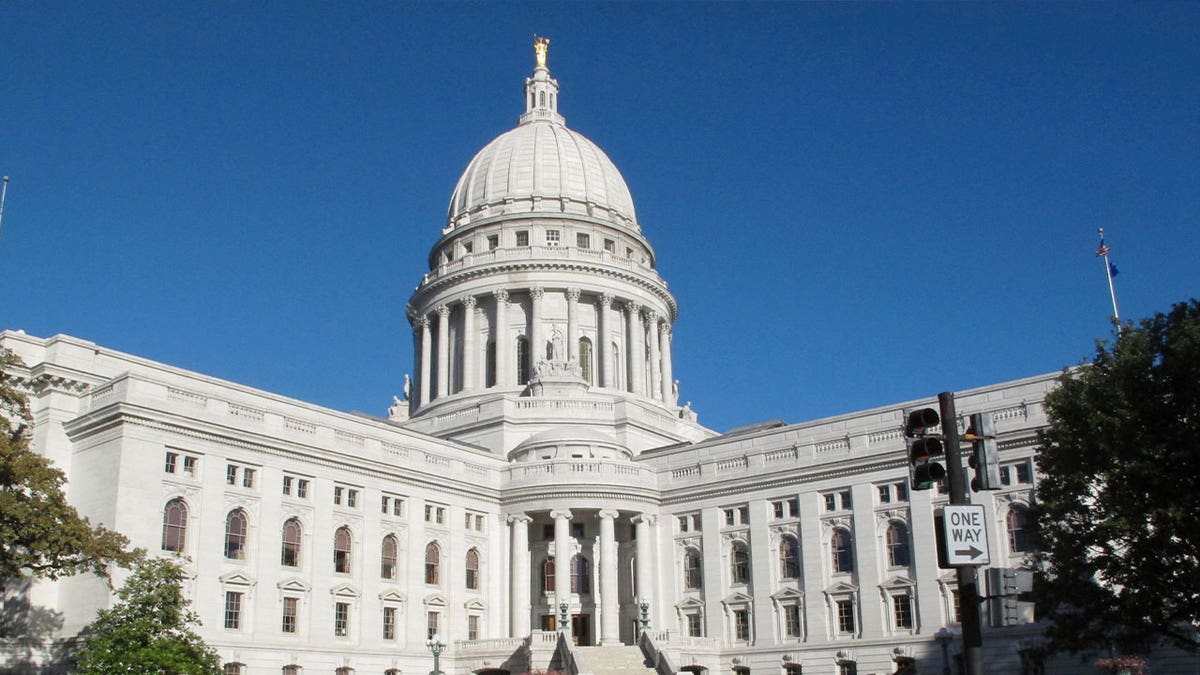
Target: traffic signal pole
[{"x": 968, "y": 578}]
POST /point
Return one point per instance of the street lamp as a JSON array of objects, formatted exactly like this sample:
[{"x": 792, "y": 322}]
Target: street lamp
[
  {"x": 562, "y": 615},
  {"x": 436, "y": 646},
  {"x": 644, "y": 605},
  {"x": 944, "y": 636}
]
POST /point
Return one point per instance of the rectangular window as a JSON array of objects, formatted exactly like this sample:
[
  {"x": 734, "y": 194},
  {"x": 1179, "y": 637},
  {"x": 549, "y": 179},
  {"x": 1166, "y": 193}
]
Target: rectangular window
[
  {"x": 171, "y": 459},
  {"x": 522, "y": 237},
  {"x": 741, "y": 625},
  {"x": 1005, "y": 476},
  {"x": 730, "y": 518},
  {"x": 901, "y": 492},
  {"x": 847, "y": 502},
  {"x": 431, "y": 624},
  {"x": 794, "y": 507},
  {"x": 610, "y": 246},
  {"x": 290, "y": 610},
  {"x": 1023, "y": 473},
  {"x": 233, "y": 609},
  {"x": 902, "y": 611},
  {"x": 695, "y": 626},
  {"x": 885, "y": 493},
  {"x": 479, "y": 523},
  {"x": 830, "y": 502},
  {"x": 845, "y": 616},
  {"x": 440, "y": 516},
  {"x": 955, "y": 606},
  {"x": 337, "y": 495},
  {"x": 389, "y": 623},
  {"x": 190, "y": 465},
  {"x": 341, "y": 619},
  {"x": 231, "y": 474},
  {"x": 352, "y": 498},
  {"x": 472, "y": 627},
  {"x": 583, "y": 240},
  {"x": 553, "y": 237},
  {"x": 791, "y": 620},
  {"x": 248, "y": 478},
  {"x": 287, "y": 485},
  {"x": 683, "y": 523},
  {"x": 493, "y": 242},
  {"x": 780, "y": 511},
  {"x": 744, "y": 515},
  {"x": 302, "y": 488},
  {"x": 385, "y": 501}
]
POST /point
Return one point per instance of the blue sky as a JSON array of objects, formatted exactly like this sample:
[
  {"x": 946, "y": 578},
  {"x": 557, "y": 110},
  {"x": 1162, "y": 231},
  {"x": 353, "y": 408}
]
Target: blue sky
[{"x": 855, "y": 204}]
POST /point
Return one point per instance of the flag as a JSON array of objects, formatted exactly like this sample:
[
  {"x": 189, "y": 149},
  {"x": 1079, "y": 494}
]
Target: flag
[
  {"x": 1103, "y": 250},
  {"x": 1112, "y": 270}
]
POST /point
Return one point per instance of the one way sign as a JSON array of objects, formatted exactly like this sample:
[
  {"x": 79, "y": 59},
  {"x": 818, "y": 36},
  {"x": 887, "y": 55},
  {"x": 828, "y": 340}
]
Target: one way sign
[{"x": 965, "y": 535}]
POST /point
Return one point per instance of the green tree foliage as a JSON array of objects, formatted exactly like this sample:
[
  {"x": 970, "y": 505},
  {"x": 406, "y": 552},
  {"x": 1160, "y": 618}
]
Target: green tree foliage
[
  {"x": 40, "y": 533},
  {"x": 1119, "y": 502},
  {"x": 149, "y": 630}
]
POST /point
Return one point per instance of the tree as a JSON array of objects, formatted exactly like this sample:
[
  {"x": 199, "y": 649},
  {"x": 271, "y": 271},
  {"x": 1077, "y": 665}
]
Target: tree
[
  {"x": 149, "y": 630},
  {"x": 1118, "y": 521},
  {"x": 40, "y": 533}
]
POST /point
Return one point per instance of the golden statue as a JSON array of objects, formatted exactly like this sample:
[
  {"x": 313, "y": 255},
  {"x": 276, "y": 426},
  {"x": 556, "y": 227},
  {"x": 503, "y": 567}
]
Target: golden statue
[{"x": 540, "y": 46}]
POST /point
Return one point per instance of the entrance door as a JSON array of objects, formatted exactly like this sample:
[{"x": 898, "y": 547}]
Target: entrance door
[
  {"x": 549, "y": 622},
  {"x": 581, "y": 630}
]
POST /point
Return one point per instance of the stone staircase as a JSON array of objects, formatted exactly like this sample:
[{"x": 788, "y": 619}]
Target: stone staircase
[{"x": 614, "y": 660}]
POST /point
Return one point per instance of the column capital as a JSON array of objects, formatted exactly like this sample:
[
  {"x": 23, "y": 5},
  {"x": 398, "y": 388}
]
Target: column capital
[
  {"x": 536, "y": 292},
  {"x": 609, "y": 513},
  {"x": 560, "y": 513},
  {"x": 665, "y": 329},
  {"x": 573, "y": 294},
  {"x": 606, "y": 299},
  {"x": 500, "y": 295},
  {"x": 632, "y": 308},
  {"x": 644, "y": 518},
  {"x": 422, "y": 321},
  {"x": 651, "y": 316},
  {"x": 519, "y": 518},
  {"x": 469, "y": 302},
  {"x": 443, "y": 311}
]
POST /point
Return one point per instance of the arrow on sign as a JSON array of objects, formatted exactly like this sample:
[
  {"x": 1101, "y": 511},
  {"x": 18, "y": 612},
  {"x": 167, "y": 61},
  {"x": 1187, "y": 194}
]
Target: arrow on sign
[{"x": 971, "y": 552}]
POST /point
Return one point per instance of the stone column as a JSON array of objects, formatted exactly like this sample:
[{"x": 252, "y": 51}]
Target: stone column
[
  {"x": 636, "y": 358},
  {"x": 500, "y": 336},
  {"x": 426, "y": 357},
  {"x": 644, "y": 570},
  {"x": 537, "y": 340},
  {"x": 655, "y": 390},
  {"x": 605, "y": 352},
  {"x": 443, "y": 357},
  {"x": 470, "y": 366},
  {"x": 573, "y": 324},
  {"x": 562, "y": 560},
  {"x": 610, "y": 610},
  {"x": 668, "y": 377},
  {"x": 521, "y": 576}
]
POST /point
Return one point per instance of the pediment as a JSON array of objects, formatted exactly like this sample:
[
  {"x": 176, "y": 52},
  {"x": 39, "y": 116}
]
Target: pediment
[
  {"x": 788, "y": 594},
  {"x": 237, "y": 579},
  {"x": 689, "y": 603},
  {"x": 293, "y": 584},
  {"x": 737, "y": 598},
  {"x": 392, "y": 595},
  {"x": 475, "y": 605},
  {"x": 345, "y": 591},
  {"x": 898, "y": 581},
  {"x": 841, "y": 588},
  {"x": 435, "y": 600}
]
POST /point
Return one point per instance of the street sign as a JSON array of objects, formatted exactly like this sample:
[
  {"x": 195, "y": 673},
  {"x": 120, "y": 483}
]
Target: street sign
[{"x": 965, "y": 535}]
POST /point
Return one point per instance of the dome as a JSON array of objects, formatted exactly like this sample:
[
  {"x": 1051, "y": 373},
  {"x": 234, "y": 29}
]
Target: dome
[{"x": 541, "y": 166}]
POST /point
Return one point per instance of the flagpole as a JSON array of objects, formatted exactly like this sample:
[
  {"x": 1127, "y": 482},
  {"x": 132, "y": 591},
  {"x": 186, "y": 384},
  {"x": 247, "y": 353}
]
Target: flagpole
[
  {"x": 1112, "y": 290},
  {"x": 3, "y": 194}
]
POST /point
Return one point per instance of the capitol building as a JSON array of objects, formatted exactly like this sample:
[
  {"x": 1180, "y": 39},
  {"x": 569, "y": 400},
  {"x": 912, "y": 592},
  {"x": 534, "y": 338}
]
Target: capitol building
[{"x": 539, "y": 499}]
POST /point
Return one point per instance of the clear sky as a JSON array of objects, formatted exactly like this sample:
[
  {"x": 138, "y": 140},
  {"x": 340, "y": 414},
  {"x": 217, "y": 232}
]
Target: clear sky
[{"x": 855, "y": 204}]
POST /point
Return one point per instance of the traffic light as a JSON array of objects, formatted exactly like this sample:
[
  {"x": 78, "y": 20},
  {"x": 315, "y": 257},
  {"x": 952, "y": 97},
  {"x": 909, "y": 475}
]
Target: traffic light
[
  {"x": 923, "y": 447},
  {"x": 985, "y": 458}
]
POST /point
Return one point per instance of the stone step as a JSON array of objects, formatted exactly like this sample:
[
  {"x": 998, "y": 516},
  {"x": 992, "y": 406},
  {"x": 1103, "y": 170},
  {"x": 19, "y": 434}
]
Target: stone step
[{"x": 612, "y": 660}]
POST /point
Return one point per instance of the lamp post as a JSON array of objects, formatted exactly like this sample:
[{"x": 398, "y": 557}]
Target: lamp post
[
  {"x": 436, "y": 647},
  {"x": 944, "y": 636},
  {"x": 562, "y": 615},
  {"x": 644, "y": 605}
]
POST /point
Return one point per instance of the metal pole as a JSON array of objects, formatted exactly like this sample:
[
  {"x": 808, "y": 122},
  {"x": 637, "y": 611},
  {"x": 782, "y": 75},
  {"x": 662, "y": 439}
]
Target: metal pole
[
  {"x": 3, "y": 194},
  {"x": 968, "y": 584}
]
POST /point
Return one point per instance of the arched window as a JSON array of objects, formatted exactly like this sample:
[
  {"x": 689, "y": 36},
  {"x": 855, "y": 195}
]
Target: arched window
[
  {"x": 235, "y": 535},
  {"x": 490, "y": 364},
  {"x": 289, "y": 555},
  {"x": 522, "y": 360},
  {"x": 789, "y": 558},
  {"x": 585, "y": 359},
  {"x": 841, "y": 546},
  {"x": 433, "y": 561},
  {"x": 548, "y": 574},
  {"x": 1019, "y": 539},
  {"x": 581, "y": 575},
  {"x": 692, "y": 571},
  {"x": 473, "y": 570},
  {"x": 739, "y": 569},
  {"x": 342, "y": 545},
  {"x": 175, "y": 515},
  {"x": 899, "y": 554},
  {"x": 532, "y": 102},
  {"x": 542, "y": 99},
  {"x": 388, "y": 552}
]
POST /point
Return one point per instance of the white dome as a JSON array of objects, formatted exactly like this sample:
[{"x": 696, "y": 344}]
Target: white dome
[{"x": 541, "y": 167}]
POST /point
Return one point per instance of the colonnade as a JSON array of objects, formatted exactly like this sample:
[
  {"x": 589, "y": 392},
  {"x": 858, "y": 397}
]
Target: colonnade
[
  {"x": 608, "y": 606},
  {"x": 646, "y": 341}
]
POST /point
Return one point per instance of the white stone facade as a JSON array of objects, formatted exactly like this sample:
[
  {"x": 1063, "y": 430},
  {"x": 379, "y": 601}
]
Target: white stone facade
[{"x": 542, "y": 424}]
